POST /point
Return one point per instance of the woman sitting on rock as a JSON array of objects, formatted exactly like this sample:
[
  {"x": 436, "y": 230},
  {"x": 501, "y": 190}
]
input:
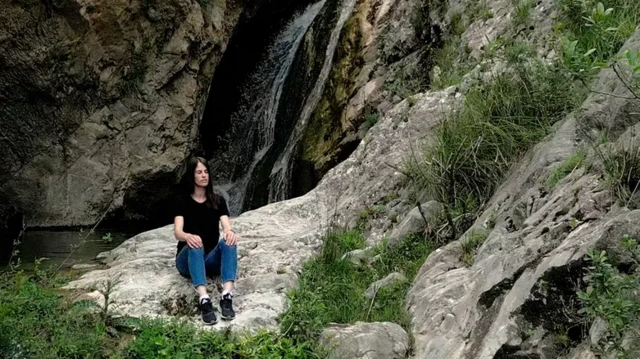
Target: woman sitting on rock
[{"x": 201, "y": 251}]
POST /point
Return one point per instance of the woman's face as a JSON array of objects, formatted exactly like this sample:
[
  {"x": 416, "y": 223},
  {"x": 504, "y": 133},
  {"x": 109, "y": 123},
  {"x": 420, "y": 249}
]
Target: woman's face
[{"x": 201, "y": 175}]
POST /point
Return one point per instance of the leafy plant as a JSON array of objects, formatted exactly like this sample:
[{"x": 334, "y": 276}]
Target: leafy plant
[
  {"x": 593, "y": 31},
  {"x": 107, "y": 238},
  {"x": 612, "y": 296}
]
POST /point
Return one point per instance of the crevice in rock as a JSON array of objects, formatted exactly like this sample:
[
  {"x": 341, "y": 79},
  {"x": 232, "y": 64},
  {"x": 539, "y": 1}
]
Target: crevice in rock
[
  {"x": 553, "y": 301},
  {"x": 511, "y": 352},
  {"x": 11, "y": 224},
  {"x": 488, "y": 298}
]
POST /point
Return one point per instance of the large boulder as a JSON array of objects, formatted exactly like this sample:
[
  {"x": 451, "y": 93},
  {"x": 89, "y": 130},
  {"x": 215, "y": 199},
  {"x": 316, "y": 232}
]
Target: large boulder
[
  {"x": 526, "y": 270},
  {"x": 380, "y": 340},
  {"x": 416, "y": 221},
  {"x": 277, "y": 238}
]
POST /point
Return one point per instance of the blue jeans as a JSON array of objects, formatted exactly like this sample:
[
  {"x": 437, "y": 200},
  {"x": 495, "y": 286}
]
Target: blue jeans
[{"x": 223, "y": 260}]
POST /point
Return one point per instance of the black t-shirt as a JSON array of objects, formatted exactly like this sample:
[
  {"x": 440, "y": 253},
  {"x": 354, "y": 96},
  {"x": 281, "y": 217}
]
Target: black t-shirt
[{"x": 201, "y": 220}]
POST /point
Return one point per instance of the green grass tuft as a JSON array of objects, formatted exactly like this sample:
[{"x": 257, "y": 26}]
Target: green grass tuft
[
  {"x": 331, "y": 290},
  {"x": 499, "y": 121},
  {"x": 451, "y": 63},
  {"x": 622, "y": 174},
  {"x": 473, "y": 240},
  {"x": 565, "y": 168},
  {"x": 522, "y": 11}
]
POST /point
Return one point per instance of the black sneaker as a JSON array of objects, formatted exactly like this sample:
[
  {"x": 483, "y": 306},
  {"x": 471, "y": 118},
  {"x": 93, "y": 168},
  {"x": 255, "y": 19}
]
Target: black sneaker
[
  {"x": 208, "y": 315},
  {"x": 226, "y": 307}
]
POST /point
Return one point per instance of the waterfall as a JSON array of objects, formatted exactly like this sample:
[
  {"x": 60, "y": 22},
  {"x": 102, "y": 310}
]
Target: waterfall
[
  {"x": 260, "y": 101},
  {"x": 280, "y": 178}
]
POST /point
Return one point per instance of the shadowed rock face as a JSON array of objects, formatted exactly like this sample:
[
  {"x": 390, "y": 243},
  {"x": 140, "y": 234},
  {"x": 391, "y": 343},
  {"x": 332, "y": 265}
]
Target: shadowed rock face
[
  {"x": 100, "y": 102},
  {"x": 100, "y": 99}
]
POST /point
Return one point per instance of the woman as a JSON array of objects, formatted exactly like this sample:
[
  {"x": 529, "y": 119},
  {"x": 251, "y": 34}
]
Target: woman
[{"x": 201, "y": 251}]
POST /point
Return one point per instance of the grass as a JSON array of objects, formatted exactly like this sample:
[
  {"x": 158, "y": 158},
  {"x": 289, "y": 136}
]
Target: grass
[
  {"x": 331, "y": 290},
  {"x": 522, "y": 11},
  {"x": 38, "y": 321},
  {"x": 479, "y": 9},
  {"x": 451, "y": 63},
  {"x": 565, "y": 168},
  {"x": 499, "y": 121},
  {"x": 369, "y": 213},
  {"x": 518, "y": 52},
  {"x": 621, "y": 169},
  {"x": 473, "y": 241},
  {"x": 371, "y": 119},
  {"x": 174, "y": 339}
]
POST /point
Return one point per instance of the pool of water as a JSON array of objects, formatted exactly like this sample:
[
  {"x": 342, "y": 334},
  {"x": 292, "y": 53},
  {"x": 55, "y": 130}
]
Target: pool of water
[{"x": 66, "y": 248}]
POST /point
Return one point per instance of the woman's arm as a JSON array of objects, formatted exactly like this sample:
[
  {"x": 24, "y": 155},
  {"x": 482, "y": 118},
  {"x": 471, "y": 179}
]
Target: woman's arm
[
  {"x": 230, "y": 237},
  {"x": 178, "y": 224},
  {"x": 226, "y": 223},
  {"x": 192, "y": 240}
]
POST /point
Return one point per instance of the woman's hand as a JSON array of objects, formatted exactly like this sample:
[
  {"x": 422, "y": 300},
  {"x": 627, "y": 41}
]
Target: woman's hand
[
  {"x": 231, "y": 237},
  {"x": 193, "y": 241}
]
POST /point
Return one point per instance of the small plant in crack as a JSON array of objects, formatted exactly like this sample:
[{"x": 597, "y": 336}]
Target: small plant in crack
[{"x": 470, "y": 244}]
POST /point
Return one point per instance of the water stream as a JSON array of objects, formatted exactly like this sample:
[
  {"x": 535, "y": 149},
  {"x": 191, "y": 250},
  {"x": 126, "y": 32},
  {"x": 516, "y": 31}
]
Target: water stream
[
  {"x": 280, "y": 178},
  {"x": 261, "y": 100},
  {"x": 65, "y": 248}
]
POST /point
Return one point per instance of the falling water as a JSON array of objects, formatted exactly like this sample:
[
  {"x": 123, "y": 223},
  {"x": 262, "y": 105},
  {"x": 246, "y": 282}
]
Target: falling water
[
  {"x": 280, "y": 179},
  {"x": 260, "y": 109}
]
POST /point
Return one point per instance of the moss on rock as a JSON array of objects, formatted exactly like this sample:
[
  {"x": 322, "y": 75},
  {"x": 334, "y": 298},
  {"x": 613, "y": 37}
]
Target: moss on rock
[{"x": 325, "y": 140}]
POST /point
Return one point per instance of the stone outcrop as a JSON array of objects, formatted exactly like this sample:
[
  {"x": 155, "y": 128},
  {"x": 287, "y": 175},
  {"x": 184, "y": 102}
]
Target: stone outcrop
[
  {"x": 414, "y": 222},
  {"x": 351, "y": 101},
  {"x": 534, "y": 257},
  {"x": 382, "y": 283},
  {"x": 101, "y": 101},
  {"x": 506, "y": 304},
  {"x": 366, "y": 341}
]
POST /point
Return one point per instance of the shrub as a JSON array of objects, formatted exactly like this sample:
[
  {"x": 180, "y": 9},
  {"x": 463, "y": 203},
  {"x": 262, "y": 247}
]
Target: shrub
[
  {"x": 612, "y": 296},
  {"x": 594, "y": 31}
]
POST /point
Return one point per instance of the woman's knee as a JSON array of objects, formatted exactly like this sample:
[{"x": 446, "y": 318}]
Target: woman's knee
[
  {"x": 199, "y": 250},
  {"x": 227, "y": 247}
]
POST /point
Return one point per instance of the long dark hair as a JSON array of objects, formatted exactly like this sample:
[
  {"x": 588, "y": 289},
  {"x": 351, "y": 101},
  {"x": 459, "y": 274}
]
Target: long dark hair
[{"x": 213, "y": 199}]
